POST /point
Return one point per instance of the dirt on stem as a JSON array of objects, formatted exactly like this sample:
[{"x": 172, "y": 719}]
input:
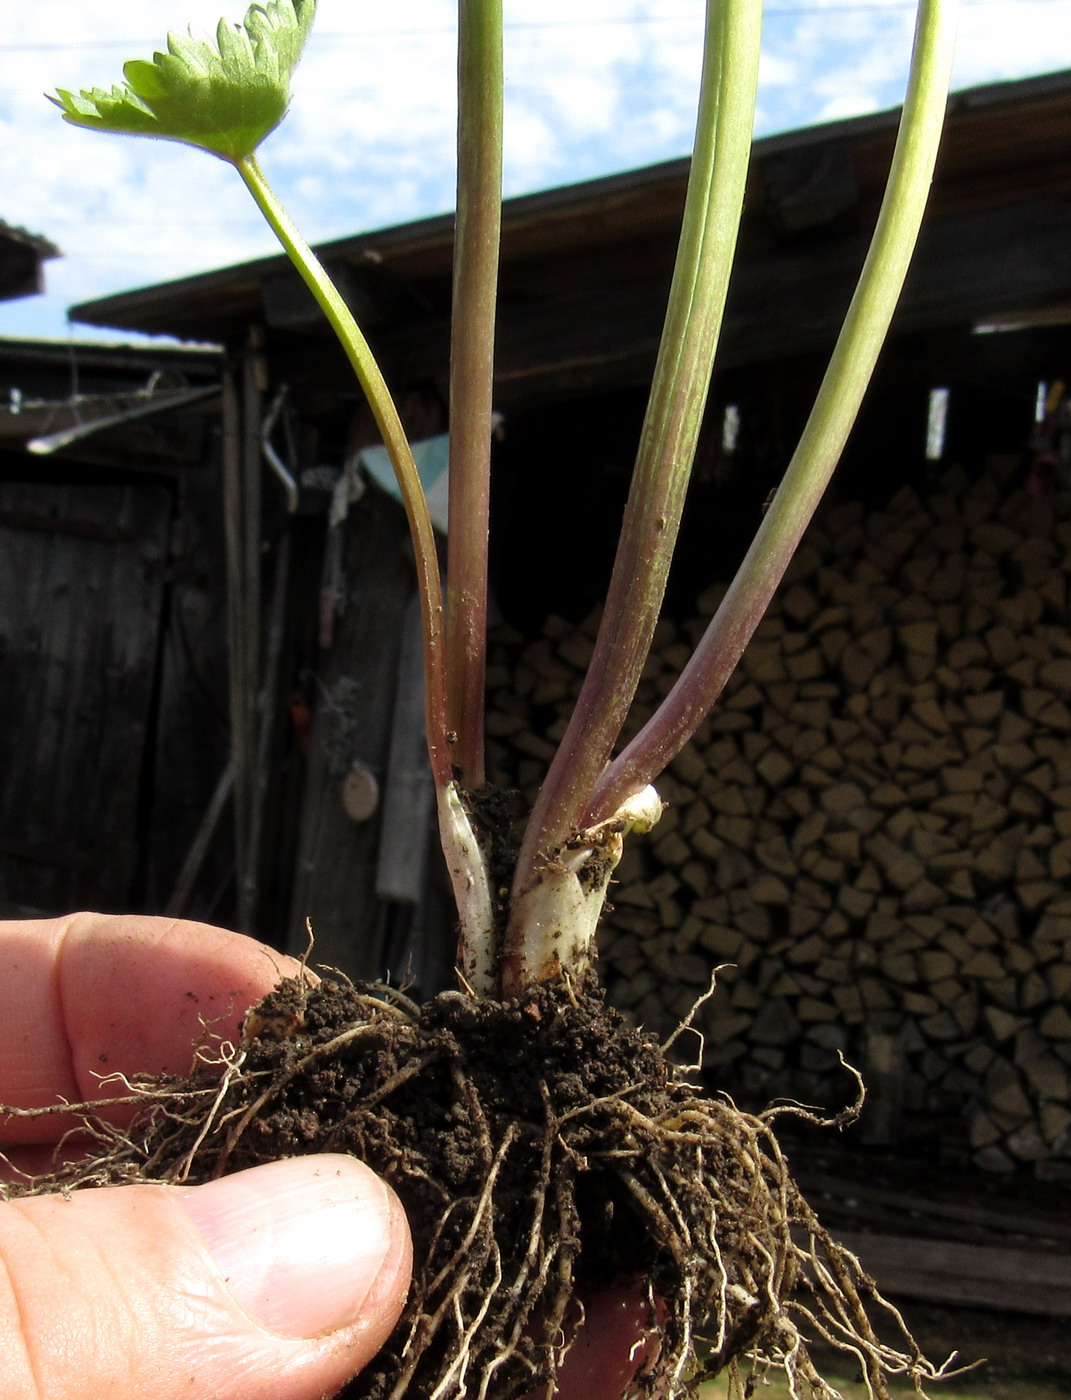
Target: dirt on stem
[{"x": 543, "y": 1150}]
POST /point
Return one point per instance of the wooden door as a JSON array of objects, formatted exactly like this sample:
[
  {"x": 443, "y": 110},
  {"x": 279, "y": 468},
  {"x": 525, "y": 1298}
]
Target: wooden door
[{"x": 81, "y": 588}]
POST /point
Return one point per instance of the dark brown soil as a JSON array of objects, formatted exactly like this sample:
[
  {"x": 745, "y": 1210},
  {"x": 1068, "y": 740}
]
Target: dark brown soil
[
  {"x": 453, "y": 1085},
  {"x": 429, "y": 1096}
]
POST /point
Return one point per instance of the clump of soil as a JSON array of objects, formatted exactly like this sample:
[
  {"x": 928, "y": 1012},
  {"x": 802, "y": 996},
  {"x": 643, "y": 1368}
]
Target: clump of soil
[{"x": 543, "y": 1150}]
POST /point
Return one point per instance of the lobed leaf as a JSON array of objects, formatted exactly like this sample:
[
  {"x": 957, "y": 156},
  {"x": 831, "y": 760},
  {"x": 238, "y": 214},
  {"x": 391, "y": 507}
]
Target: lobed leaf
[{"x": 224, "y": 97}]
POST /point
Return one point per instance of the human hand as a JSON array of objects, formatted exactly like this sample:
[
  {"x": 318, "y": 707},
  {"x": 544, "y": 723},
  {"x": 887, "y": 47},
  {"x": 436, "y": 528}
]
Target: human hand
[{"x": 283, "y": 1280}]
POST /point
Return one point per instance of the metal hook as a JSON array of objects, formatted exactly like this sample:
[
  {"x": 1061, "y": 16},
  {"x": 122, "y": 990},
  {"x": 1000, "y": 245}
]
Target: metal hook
[{"x": 272, "y": 457}]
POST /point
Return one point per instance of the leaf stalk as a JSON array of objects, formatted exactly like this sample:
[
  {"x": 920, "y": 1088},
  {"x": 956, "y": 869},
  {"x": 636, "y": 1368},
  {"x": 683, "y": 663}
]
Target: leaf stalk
[
  {"x": 826, "y": 432},
  {"x": 476, "y": 248},
  {"x": 390, "y": 427},
  {"x": 671, "y": 428}
]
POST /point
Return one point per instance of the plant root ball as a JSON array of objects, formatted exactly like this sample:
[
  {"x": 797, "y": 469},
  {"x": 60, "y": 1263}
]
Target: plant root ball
[{"x": 544, "y": 1152}]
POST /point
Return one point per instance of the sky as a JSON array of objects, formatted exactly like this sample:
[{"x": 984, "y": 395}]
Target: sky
[{"x": 592, "y": 87}]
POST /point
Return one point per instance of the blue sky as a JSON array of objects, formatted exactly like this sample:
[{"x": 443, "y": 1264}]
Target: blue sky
[{"x": 593, "y": 86}]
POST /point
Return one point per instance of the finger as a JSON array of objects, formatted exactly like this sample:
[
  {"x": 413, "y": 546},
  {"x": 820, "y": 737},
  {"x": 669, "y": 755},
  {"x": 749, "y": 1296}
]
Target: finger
[
  {"x": 610, "y": 1346},
  {"x": 90, "y": 995},
  {"x": 283, "y": 1280}
]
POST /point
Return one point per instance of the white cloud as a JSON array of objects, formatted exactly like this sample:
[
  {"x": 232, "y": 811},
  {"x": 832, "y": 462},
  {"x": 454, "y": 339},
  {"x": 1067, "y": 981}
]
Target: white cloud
[
  {"x": 999, "y": 41},
  {"x": 592, "y": 87}
]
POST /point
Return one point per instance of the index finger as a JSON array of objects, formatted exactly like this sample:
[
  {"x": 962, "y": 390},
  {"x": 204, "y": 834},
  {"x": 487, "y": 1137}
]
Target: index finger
[{"x": 89, "y": 995}]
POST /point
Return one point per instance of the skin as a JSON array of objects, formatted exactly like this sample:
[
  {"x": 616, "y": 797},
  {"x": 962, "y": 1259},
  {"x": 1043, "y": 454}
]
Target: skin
[{"x": 135, "y": 1291}]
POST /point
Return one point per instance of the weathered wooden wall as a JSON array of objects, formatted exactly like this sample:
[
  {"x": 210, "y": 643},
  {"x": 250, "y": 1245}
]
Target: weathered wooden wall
[
  {"x": 81, "y": 588},
  {"x": 190, "y": 736},
  {"x": 357, "y": 928}
]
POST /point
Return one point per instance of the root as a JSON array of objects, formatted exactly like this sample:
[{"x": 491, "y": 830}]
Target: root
[{"x": 542, "y": 1151}]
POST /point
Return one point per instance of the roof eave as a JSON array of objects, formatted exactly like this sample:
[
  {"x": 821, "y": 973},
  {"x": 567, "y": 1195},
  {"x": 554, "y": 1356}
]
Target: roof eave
[{"x": 196, "y": 307}]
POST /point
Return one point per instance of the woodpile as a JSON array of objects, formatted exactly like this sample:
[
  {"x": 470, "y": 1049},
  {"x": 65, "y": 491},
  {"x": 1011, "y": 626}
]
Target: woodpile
[{"x": 871, "y": 835}]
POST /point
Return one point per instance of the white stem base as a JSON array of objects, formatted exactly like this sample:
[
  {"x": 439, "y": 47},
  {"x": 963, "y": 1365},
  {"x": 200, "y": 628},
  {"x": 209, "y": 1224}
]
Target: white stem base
[
  {"x": 551, "y": 933},
  {"x": 472, "y": 892}
]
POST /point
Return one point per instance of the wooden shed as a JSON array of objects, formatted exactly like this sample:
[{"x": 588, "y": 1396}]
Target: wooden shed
[
  {"x": 102, "y": 453},
  {"x": 322, "y": 756},
  {"x": 22, "y": 258}
]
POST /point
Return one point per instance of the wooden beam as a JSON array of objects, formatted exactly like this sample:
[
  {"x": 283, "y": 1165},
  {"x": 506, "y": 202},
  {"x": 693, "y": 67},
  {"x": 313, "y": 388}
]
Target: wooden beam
[
  {"x": 785, "y": 301},
  {"x": 408, "y": 798},
  {"x": 998, "y": 1222},
  {"x": 810, "y": 188},
  {"x": 972, "y": 1275}
]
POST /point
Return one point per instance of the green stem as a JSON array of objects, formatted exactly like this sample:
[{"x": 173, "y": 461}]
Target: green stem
[
  {"x": 671, "y": 428},
  {"x": 827, "y": 429},
  {"x": 479, "y": 204},
  {"x": 390, "y": 427}
]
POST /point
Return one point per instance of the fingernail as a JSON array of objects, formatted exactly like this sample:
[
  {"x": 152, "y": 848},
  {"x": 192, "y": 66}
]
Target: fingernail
[{"x": 299, "y": 1243}]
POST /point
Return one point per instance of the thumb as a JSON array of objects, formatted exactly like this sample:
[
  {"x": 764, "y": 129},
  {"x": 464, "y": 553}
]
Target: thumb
[{"x": 283, "y": 1280}]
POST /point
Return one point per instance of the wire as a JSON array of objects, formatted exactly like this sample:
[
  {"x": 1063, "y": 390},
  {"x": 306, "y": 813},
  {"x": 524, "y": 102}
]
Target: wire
[{"x": 363, "y": 35}]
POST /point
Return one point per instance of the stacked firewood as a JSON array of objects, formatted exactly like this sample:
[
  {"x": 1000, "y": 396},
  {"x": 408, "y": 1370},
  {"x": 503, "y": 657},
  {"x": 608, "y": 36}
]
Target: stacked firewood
[{"x": 871, "y": 835}]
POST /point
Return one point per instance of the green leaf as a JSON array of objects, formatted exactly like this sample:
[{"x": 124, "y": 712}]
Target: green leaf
[{"x": 224, "y": 97}]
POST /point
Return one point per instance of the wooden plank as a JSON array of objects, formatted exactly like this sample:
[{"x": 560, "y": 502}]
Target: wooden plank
[
  {"x": 337, "y": 857},
  {"x": 409, "y": 792},
  {"x": 79, "y": 625},
  {"x": 1007, "y": 1222},
  {"x": 810, "y": 187},
  {"x": 56, "y": 525},
  {"x": 783, "y": 301},
  {"x": 941, "y": 1271},
  {"x": 195, "y": 857},
  {"x": 190, "y": 721}
]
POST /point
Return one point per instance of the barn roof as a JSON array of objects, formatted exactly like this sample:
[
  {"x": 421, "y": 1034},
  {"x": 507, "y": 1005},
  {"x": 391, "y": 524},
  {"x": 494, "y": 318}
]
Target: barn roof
[{"x": 585, "y": 267}]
